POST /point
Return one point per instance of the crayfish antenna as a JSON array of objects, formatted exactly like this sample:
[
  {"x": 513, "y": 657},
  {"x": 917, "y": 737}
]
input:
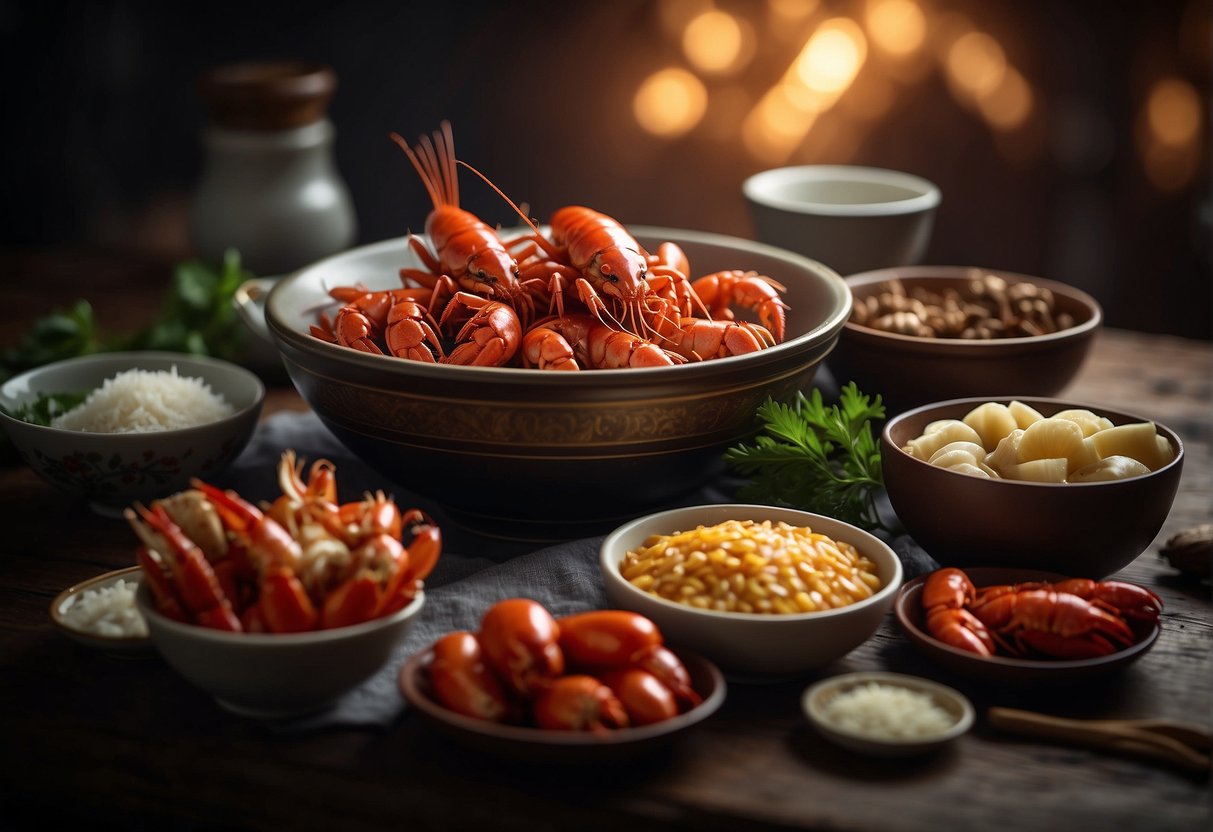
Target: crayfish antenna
[{"x": 540, "y": 240}]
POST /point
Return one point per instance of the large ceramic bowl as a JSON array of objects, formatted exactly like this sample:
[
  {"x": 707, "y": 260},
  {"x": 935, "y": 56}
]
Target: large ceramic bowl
[
  {"x": 908, "y": 370},
  {"x": 276, "y": 675},
  {"x": 750, "y": 644},
  {"x": 1082, "y": 529},
  {"x": 112, "y": 470},
  {"x": 546, "y": 454}
]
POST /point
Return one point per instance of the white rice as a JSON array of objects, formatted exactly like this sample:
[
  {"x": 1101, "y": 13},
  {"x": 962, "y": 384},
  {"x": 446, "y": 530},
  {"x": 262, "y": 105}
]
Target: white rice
[
  {"x": 887, "y": 712},
  {"x": 108, "y": 611},
  {"x": 141, "y": 401}
]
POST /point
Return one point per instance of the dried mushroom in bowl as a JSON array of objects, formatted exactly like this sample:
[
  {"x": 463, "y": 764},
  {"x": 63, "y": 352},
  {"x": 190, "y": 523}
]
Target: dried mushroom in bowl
[{"x": 988, "y": 307}]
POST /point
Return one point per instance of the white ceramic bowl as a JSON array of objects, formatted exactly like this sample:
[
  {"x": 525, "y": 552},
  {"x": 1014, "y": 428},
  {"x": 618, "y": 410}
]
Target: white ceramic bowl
[
  {"x": 66, "y": 601},
  {"x": 276, "y": 675},
  {"x": 752, "y": 644},
  {"x": 816, "y": 701},
  {"x": 112, "y": 470},
  {"x": 851, "y": 218}
]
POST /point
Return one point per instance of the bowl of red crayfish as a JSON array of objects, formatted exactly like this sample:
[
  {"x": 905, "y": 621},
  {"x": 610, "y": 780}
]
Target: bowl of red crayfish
[
  {"x": 586, "y": 687},
  {"x": 1027, "y": 626},
  {"x": 555, "y": 380},
  {"x": 278, "y": 609}
]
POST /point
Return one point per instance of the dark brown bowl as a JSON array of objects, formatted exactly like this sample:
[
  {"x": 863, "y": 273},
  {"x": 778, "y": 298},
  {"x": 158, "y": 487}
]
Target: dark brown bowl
[
  {"x": 999, "y": 669},
  {"x": 908, "y": 370},
  {"x": 1087, "y": 530},
  {"x": 540, "y": 745},
  {"x": 551, "y": 455}
]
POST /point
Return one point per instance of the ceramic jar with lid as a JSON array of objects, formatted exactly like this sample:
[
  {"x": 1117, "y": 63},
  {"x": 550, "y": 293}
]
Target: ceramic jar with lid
[{"x": 269, "y": 186}]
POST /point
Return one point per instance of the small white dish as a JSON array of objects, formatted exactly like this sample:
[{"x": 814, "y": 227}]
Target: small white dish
[
  {"x": 116, "y": 645},
  {"x": 817, "y": 698},
  {"x": 851, "y": 218}
]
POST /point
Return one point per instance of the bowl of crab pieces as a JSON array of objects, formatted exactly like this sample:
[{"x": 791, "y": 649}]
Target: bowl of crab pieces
[
  {"x": 246, "y": 602},
  {"x": 532, "y": 373},
  {"x": 1026, "y": 626},
  {"x": 585, "y": 687}
]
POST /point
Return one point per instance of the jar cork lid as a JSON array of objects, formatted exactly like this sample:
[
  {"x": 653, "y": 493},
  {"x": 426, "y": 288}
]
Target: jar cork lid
[{"x": 268, "y": 95}]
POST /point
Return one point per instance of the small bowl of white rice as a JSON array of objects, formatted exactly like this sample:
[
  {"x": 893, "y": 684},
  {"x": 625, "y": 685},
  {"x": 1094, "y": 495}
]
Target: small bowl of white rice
[
  {"x": 101, "y": 613},
  {"x": 144, "y": 425},
  {"x": 887, "y": 714}
]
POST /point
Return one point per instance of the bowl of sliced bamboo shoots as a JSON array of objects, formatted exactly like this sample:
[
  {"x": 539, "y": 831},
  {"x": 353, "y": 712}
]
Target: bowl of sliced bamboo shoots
[{"x": 1031, "y": 483}]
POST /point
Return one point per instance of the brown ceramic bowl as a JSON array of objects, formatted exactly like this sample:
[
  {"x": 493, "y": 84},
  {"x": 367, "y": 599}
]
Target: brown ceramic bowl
[
  {"x": 1000, "y": 669},
  {"x": 546, "y": 455},
  {"x": 909, "y": 370},
  {"x": 1087, "y": 530},
  {"x": 540, "y": 745}
]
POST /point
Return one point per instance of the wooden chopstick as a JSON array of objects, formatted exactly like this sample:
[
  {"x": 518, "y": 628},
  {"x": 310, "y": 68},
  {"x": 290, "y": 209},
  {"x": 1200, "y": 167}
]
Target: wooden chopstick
[{"x": 1181, "y": 743}]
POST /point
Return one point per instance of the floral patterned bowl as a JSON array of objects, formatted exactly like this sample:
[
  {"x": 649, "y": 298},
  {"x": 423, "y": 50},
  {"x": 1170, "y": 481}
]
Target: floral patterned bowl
[{"x": 112, "y": 470}]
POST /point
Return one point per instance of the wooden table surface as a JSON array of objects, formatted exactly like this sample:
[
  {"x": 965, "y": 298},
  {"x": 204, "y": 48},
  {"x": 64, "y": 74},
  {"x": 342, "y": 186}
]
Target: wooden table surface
[{"x": 127, "y": 743}]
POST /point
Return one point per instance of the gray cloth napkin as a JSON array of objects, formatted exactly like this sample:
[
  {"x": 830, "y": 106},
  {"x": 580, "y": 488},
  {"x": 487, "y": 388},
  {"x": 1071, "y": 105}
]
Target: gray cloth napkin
[{"x": 472, "y": 574}]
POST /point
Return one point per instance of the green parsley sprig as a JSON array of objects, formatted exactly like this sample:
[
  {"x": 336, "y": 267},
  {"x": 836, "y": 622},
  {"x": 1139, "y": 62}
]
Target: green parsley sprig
[
  {"x": 818, "y": 458},
  {"x": 198, "y": 316}
]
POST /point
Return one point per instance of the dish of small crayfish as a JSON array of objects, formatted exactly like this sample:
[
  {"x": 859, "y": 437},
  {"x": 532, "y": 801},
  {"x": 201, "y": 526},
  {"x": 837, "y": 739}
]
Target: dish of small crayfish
[
  {"x": 567, "y": 738},
  {"x": 1027, "y": 626}
]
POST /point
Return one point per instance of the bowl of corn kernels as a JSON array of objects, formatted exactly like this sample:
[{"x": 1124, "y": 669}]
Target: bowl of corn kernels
[
  {"x": 920, "y": 334},
  {"x": 761, "y": 591}
]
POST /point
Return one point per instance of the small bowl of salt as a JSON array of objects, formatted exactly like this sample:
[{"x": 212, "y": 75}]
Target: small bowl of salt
[
  {"x": 101, "y": 613},
  {"x": 887, "y": 714}
]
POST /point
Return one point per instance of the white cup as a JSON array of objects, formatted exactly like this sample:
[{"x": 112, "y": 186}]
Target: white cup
[{"x": 852, "y": 219}]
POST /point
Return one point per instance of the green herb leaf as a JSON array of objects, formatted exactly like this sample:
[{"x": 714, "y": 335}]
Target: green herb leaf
[
  {"x": 46, "y": 407},
  {"x": 818, "y": 458},
  {"x": 199, "y": 315},
  {"x": 55, "y": 337}
]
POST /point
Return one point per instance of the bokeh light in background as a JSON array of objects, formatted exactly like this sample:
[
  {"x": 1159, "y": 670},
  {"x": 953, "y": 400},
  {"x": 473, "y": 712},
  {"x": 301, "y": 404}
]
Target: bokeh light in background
[
  {"x": 832, "y": 65},
  {"x": 717, "y": 43},
  {"x": 899, "y": 27},
  {"x": 670, "y": 102},
  {"x": 1172, "y": 136},
  {"x": 817, "y": 77}
]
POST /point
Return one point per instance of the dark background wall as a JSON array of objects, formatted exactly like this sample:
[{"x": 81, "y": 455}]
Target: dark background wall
[{"x": 102, "y": 123}]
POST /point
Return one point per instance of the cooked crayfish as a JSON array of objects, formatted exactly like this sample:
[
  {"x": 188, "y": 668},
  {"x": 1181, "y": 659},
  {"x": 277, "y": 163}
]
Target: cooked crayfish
[
  {"x": 399, "y": 318},
  {"x": 482, "y": 294},
  {"x": 1073, "y": 618},
  {"x": 591, "y": 671},
  {"x": 304, "y": 562},
  {"x": 576, "y": 341}
]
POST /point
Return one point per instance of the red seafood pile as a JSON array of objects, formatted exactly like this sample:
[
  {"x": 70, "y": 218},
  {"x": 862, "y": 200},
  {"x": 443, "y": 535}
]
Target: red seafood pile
[
  {"x": 1072, "y": 619},
  {"x": 592, "y": 671},
  {"x": 305, "y": 562},
  {"x": 585, "y": 296}
]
